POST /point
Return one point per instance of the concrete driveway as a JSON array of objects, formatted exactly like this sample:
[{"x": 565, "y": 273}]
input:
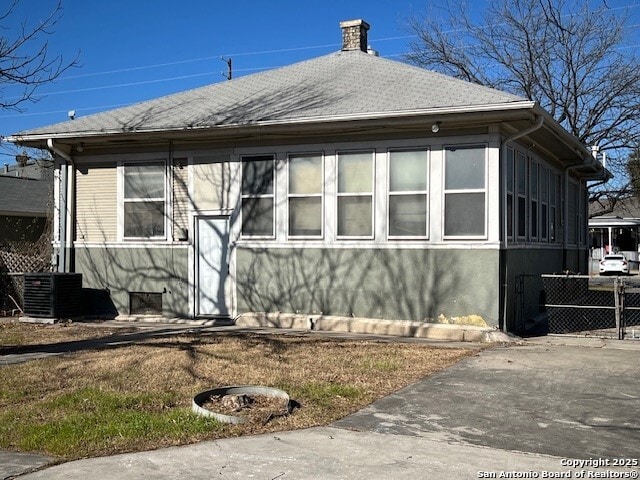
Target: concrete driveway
[
  {"x": 567, "y": 401},
  {"x": 538, "y": 407}
]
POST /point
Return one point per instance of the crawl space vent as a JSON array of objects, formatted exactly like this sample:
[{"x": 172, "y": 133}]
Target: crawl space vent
[{"x": 145, "y": 303}]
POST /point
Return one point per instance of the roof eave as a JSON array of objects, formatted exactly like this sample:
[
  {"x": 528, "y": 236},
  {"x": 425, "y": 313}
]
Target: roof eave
[
  {"x": 303, "y": 122},
  {"x": 591, "y": 166}
]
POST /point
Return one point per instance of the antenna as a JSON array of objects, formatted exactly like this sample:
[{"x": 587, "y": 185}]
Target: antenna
[{"x": 228, "y": 75}]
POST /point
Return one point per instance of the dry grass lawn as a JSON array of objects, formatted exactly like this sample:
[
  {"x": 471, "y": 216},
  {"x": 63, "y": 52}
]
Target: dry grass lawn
[{"x": 137, "y": 396}]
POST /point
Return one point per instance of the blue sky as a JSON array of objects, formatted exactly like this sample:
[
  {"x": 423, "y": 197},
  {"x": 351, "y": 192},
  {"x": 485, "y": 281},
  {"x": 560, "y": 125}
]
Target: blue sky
[{"x": 134, "y": 50}]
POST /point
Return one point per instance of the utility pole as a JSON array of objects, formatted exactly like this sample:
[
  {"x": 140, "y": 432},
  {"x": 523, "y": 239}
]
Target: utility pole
[{"x": 228, "y": 75}]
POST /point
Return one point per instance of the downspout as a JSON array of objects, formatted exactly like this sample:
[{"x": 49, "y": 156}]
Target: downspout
[
  {"x": 505, "y": 240},
  {"x": 66, "y": 225}
]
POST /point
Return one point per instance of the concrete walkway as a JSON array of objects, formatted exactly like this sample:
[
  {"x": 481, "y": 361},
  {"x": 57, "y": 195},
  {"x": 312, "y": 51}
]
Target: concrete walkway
[{"x": 526, "y": 408}]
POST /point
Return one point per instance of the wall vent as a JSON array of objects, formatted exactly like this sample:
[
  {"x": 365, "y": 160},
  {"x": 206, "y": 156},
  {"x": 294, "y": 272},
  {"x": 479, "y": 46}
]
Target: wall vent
[{"x": 145, "y": 303}]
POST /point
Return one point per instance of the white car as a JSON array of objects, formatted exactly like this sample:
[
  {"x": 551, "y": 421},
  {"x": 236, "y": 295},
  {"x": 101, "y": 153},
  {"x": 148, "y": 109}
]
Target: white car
[{"x": 614, "y": 263}]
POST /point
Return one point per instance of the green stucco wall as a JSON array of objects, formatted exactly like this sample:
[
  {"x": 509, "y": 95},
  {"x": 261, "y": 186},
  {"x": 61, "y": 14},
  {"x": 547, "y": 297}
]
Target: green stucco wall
[
  {"x": 124, "y": 270},
  {"x": 403, "y": 284},
  {"x": 524, "y": 285},
  {"x": 408, "y": 284}
]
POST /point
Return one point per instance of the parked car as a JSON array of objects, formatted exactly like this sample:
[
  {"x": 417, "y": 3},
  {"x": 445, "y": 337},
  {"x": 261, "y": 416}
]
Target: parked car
[{"x": 614, "y": 263}]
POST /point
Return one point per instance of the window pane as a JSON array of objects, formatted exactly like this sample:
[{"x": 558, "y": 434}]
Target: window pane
[
  {"x": 354, "y": 216},
  {"x": 464, "y": 214},
  {"x": 355, "y": 172},
  {"x": 144, "y": 219},
  {"x": 544, "y": 184},
  {"x": 257, "y": 176},
  {"x": 522, "y": 218},
  {"x": 543, "y": 221},
  {"x": 408, "y": 215},
  {"x": 534, "y": 180},
  {"x": 305, "y": 175},
  {"x": 408, "y": 171},
  {"x": 509, "y": 170},
  {"x": 257, "y": 216},
  {"x": 144, "y": 181},
  {"x": 534, "y": 219},
  {"x": 464, "y": 168},
  {"x": 510, "y": 215},
  {"x": 522, "y": 174},
  {"x": 305, "y": 216}
]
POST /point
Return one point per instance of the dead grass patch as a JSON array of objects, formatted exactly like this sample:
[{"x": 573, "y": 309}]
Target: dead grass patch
[
  {"x": 13, "y": 333},
  {"x": 137, "y": 397}
]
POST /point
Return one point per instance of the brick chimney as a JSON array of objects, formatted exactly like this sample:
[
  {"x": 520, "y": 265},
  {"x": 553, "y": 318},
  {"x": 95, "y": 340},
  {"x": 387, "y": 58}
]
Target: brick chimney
[{"x": 354, "y": 35}]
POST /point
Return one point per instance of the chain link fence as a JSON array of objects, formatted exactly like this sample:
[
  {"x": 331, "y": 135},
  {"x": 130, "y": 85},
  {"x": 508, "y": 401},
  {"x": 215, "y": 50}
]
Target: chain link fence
[{"x": 599, "y": 306}]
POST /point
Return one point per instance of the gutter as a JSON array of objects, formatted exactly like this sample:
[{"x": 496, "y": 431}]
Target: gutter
[
  {"x": 61, "y": 153},
  {"x": 505, "y": 238},
  {"x": 67, "y": 190},
  {"x": 310, "y": 122}
]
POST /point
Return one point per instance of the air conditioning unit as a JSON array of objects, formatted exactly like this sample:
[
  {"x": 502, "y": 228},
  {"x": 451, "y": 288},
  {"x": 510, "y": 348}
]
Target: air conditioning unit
[{"x": 53, "y": 295}]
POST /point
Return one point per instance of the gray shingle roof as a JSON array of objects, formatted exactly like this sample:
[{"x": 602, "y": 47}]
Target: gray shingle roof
[
  {"x": 24, "y": 196},
  {"x": 337, "y": 85}
]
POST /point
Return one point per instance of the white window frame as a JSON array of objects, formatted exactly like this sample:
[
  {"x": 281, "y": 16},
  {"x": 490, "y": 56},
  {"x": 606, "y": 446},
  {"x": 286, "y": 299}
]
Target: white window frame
[
  {"x": 271, "y": 195},
  {"x": 321, "y": 195},
  {"x": 424, "y": 192},
  {"x": 370, "y": 194},
  {"x": 484, "y": 190},
  {"x": 122, "y": 200}
]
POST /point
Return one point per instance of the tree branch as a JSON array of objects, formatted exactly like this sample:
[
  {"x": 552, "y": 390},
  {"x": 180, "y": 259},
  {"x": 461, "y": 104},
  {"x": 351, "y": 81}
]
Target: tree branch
[{"x": 25, "y": 59}]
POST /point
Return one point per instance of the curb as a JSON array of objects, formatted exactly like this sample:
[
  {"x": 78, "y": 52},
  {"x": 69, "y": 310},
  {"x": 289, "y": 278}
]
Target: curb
[{"x": 373, "y": 326}]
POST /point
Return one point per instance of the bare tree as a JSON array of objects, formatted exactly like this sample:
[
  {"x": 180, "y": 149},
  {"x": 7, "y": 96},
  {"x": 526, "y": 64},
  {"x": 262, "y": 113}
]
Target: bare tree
[
  {"x": 25, "y": 59},
  {"x": 564, "y": 54}
]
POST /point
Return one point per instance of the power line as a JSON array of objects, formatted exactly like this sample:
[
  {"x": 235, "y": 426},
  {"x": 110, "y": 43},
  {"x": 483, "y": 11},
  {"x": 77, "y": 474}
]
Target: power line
[
  {"x": 146, "y": 82},
  {"x": 132, "y": 69},
  {"x": 105, "y": 87},
  {"x": 226, "y": 55}
]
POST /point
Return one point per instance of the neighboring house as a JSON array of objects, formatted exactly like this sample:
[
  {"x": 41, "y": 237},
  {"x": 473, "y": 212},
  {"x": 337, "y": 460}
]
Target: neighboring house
[
  {"x": 344, "y": 185},
  {"x": 617, "y": 231},
  {"x": 26, "y": 193}
]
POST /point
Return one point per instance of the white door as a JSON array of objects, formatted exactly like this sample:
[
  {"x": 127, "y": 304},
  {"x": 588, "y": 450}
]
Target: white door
[{"x": 212, "y": 265}]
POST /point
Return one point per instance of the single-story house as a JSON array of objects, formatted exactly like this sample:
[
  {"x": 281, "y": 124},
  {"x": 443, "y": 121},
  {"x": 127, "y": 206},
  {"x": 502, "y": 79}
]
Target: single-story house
[{"x": 347, "y": 185}]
